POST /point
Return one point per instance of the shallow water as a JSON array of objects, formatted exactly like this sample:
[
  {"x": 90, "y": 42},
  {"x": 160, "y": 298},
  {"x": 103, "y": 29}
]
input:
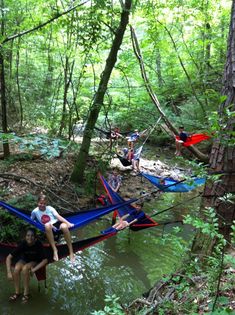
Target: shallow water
[{"x": 126, "y": 265}]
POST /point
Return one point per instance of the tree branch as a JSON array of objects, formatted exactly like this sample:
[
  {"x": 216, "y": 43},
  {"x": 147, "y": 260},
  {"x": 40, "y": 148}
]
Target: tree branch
[
  {"x": 57, "y": 16},
  {"x": 154, "y": 98},
  {"x": 25, "y": 179}
]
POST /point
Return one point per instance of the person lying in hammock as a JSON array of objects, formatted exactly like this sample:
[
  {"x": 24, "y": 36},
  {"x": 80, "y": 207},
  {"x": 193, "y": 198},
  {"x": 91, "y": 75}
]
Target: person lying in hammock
[
  {"x": 48, "y": 216},
  {"x": 183, "y": 136},
  {"x": 125, "y": 221},
  {"x": 30, "y": 257}
]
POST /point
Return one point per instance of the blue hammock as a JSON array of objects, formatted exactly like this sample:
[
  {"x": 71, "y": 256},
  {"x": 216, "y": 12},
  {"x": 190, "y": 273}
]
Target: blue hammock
[
  {"x": 79, "y": 219},
  {"x": 142, "y": 220},
  {"x": 171, "y": 185}
]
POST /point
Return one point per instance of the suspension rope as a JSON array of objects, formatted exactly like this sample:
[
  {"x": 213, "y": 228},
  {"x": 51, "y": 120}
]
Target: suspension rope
[
  {"x": 151, "y": 130},
  {"x": 174, "y": 206}
]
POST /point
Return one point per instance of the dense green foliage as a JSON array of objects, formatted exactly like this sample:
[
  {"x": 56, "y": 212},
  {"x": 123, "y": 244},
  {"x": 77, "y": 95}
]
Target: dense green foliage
[{"x": 53, "y": 71}]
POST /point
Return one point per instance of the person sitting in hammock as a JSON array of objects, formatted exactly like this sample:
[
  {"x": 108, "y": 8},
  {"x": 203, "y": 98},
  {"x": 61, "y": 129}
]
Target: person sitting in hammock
[
  {"x": 30, "y": 257},
  {"x": 115, "y": 180},
  {"x": 134, "y": 137},
  {"x": 114, "y": 135},
  {"x": 48, "y": 216},
  {"x": 130, "y": 155},
  {"x": 126, "y": 221},
  {"x": 125, "y": 153},
  {"x": 136, "y": 162},
  {"x": 183, "y": 136}
]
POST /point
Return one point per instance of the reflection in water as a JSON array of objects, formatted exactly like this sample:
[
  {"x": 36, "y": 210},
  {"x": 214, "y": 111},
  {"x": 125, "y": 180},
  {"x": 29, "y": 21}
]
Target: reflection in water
[
  {"x": 126, "y": 258},
  {"x": 126, "y": 265}
]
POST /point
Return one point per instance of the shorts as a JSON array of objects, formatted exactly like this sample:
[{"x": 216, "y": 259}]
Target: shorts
[
  {"x": 23, "y": 260},
  {"x": 57, "y": 225}
]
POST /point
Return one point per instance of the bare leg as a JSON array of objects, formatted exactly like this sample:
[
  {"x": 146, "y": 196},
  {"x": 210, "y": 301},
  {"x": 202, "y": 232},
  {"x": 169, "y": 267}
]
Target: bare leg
[
  {"x": 26, "y": 276},
  {"x": 16, "y": 276},
  {"x": 67, "y": 237},
  {"x": 137, "y": 163},
  {"x": 133, "y": 164},
  {"x": 51, "y": 240},
  {"x": 178, "y": 146}
]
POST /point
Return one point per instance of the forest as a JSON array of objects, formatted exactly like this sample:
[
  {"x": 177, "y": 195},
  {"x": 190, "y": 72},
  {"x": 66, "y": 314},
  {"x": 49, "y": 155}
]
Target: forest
[{"x": 73, "y": 71}]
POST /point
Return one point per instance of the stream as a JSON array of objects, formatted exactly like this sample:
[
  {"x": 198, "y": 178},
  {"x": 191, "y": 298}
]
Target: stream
[{"x": 126, "y": 265}]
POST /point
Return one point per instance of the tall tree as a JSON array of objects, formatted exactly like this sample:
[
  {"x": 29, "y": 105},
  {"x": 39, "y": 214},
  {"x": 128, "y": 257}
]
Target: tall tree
[
  {"x": 6, "y": 150},
  {"x": 79, "y": 168},
  {"x": 217, "y": 194}
]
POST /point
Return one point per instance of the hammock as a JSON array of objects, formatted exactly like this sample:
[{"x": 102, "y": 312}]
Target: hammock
[
  {"x": 79, "y": 219},
  {"x": 193, "y": 139},
  {"x": 108, "y": 133},
  {"x": 125, "y": 162},
  {"x": 171, "y": 185},
  {"x": 142, "y": 220},
  {"x": 6, "y": 249}
]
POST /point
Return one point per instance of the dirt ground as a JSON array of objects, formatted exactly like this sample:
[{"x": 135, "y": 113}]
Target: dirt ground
[{"x": 31, "y": 176}]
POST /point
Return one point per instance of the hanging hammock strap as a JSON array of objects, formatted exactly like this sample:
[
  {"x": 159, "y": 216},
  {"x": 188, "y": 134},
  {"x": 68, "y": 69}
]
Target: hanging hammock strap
[
  {"x": 151, "y": 130},
  {"x": 174, "y": 206}
]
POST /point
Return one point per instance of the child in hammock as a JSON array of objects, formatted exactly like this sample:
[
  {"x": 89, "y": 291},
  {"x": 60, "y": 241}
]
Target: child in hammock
[
  {"x": 48, "y": 216},
  {"x": 179, "y": 142},
  {"x": 126, "y": 221},
  {"x": 115, "y": 180},
  {"x": 30, "y": 257},
  {"x": 133, "y": 138}
]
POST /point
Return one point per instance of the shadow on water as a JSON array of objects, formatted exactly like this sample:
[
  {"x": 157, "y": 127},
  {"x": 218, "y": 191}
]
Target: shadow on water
[{"x": 126, "y": 265}]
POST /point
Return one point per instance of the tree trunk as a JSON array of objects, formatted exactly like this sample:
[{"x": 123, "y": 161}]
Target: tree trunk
[
  {"x": 79, "y": 168},
  {"x": 159, "y": 67},
  {"x": 6, "y": 149},
  {"x": 18, "y": 83},
  {"x": 222, "y": 157}
]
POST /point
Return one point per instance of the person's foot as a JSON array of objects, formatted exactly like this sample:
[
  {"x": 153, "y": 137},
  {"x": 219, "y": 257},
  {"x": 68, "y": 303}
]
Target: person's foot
[
  {"x": 14, "y": 297},
  {"x": 177, "y": 153},
  {"x": 55, "y": 256},
  {"x": 25, "y": 298},
  {"x": 72, "y": 257}
]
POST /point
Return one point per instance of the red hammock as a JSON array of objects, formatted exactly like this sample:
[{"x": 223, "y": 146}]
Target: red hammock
[{"x": 193, "y": 139}]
